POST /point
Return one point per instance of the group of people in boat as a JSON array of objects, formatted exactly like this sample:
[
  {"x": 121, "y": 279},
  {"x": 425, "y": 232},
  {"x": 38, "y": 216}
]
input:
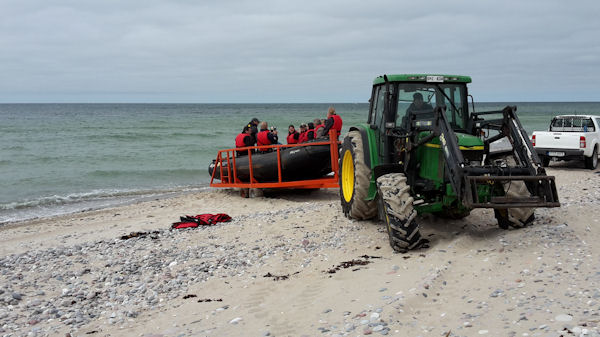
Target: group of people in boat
[{"x": 251, "y": 135}]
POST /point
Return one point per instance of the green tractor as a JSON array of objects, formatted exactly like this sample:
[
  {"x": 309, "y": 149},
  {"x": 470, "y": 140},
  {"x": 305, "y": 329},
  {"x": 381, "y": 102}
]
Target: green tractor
[{"x": 425, "y": 150}]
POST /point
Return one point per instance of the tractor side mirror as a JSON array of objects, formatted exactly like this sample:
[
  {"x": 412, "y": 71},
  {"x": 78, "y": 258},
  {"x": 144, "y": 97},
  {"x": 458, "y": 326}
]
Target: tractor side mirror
[{"x": 472, "y": 103}]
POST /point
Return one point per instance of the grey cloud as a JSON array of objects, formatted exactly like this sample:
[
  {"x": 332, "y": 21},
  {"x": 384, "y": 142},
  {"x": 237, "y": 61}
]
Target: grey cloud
[{"x": 264, "y": 51}]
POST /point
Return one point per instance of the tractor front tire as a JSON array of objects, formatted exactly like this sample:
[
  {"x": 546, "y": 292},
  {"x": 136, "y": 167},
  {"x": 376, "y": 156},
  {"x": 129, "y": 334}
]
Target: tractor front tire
[
  {"x": 515, "y": 217},
  {"x": 403, "y": 230},
  {"x": 355, "y": 178}
]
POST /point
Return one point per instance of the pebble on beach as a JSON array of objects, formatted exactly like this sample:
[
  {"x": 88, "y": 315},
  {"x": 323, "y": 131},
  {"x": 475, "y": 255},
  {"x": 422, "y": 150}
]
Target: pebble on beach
[{"x": 541, "y": 280}]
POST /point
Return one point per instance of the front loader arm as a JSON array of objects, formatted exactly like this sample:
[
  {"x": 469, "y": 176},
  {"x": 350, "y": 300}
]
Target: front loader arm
[
  {"x": 528, "y": 168},
  {"x": 522, "y": 147},
  {"x": 464, "y": 179},
  {"x": 440, "y": 127}
]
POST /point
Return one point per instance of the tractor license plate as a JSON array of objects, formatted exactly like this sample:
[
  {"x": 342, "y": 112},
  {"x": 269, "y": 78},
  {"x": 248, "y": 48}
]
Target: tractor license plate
[
  {"x": 439, "y": 79},
  {"x": 556, "y": 154}
]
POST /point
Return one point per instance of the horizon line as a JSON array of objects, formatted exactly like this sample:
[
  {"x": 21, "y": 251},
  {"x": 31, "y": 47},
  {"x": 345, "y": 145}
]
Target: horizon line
[{"x": 247, "y": 103}]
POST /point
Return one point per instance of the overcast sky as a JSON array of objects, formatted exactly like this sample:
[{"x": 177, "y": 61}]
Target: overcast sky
[{"x": 302, "y": 51}]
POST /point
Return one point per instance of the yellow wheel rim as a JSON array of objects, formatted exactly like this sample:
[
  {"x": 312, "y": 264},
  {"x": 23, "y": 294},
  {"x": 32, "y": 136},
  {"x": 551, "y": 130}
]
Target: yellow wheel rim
[{"x": 347, "y": 176}]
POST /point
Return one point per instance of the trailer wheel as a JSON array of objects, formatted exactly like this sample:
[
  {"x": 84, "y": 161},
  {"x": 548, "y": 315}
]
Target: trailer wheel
[
  {"x": 399, "y": 214},
  {"x": 515, "y": 217},
  {"x": 355, "y": 179},
  {"x": 592, "y": 162}
]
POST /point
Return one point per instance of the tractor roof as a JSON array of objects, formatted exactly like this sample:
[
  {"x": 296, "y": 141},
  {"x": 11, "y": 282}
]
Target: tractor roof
[{"x": 435, "y": 78}]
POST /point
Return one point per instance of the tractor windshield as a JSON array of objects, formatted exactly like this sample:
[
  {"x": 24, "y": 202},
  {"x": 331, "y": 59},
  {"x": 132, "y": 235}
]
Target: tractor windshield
[{"x": 423, "y": 97}]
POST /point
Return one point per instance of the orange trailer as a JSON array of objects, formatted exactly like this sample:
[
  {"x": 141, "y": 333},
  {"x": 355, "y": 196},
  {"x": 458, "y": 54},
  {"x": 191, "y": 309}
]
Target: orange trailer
[{"x": 225, "y": 165}]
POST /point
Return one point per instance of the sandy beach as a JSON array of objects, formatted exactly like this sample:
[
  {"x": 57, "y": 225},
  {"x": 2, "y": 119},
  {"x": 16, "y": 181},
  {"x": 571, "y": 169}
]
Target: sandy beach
[{"x": 291, "y": 264}]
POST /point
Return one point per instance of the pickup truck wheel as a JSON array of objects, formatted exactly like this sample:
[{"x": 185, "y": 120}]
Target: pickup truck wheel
[
  {"x": 592, "y": 162},
  {"x": 545, "y": 161},
  {"x": 354, "y": 178},
  {"x": 515, "y": 217},
  {"x": 399, "y": 214}
]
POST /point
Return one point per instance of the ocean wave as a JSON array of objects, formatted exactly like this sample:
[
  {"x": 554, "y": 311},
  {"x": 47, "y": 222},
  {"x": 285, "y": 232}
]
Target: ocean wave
[
  {"x": 149, "y": 136},
  {"x": 15, "y": 148},
  {"x": 60, "y": 200},
  {"x": 156, "y": 172},
  {"x": 56, "y": 200},
  {"x": 158, "y": 126}
]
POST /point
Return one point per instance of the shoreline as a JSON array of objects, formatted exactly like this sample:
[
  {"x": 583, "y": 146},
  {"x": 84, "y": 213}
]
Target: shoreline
[
  {"x": 96, "y": 203},
  {"x": 278, "y": 269}
]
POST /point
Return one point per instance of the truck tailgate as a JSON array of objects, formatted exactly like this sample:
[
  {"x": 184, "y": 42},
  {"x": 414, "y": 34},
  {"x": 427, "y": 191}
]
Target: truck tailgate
[{"x": 557, "y": 140}]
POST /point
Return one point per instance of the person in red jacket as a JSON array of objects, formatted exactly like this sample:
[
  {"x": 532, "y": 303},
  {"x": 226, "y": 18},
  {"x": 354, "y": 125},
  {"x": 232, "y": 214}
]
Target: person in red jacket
[
  {"x": 253, "y": 125},
  {"x": 310, "y": 133},
  {"x": 333, "y": 122},
  {"x": 293, "y": 135},
  {"x": 319, "y": 125},
  {"x": 266, "y": 137},
  {"x": 303, "y": 135},
  {"x": 244, "y": 139}
]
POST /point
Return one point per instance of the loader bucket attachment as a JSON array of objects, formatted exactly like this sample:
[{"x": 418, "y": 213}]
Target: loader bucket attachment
[{"x": 542, "y": 191}]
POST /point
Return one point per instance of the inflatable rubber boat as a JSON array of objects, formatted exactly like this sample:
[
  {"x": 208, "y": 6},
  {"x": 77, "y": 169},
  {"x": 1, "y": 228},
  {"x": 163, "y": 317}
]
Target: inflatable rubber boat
[{"x": 297, "y": 163}]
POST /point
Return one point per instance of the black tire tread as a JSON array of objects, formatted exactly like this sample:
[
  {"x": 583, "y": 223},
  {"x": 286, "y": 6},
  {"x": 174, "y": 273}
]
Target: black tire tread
[{"x": 403, "y": 229}]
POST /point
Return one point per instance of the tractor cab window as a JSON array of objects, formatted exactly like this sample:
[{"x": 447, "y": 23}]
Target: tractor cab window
[
  {"x": 380, "y": 106},
  {"x": 416, "y": 99},
  {"x": 377, "y": 106},
  {"x": 421, "y": 98},
  {"x": 455, "y": 109},
  {"x": 374, "y": 104}
]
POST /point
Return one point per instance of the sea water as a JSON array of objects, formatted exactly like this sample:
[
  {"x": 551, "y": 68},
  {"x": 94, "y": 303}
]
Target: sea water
[{"x": 63, "y": 158}]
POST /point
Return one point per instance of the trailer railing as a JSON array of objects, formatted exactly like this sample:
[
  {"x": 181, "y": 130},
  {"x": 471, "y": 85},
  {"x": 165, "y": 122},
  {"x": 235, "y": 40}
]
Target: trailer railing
[{"x": 225, "y": 165}]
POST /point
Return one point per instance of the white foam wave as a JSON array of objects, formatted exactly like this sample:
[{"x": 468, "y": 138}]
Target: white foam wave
[{"x": 77, "y": 202}]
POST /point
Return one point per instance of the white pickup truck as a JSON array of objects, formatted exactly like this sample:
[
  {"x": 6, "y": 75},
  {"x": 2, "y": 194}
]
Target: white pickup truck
[{"x": 569, "y": 137}]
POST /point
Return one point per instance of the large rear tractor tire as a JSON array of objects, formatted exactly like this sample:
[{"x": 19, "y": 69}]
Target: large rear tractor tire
[
  {"x": 592, "y": 162},
  {"x": 400, "y": 215},
  {"x": 355, "y": 178},
  {"x": 515, "y": 217}
]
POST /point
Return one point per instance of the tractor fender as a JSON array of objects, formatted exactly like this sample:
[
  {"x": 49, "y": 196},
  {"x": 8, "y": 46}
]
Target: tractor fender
[
  {"x": 368, "y": 137},
  {"x": 370, "y": 153}
]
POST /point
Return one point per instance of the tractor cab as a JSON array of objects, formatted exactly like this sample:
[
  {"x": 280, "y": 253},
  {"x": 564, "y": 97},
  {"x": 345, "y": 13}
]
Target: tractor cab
[
  {"x": 399, "y": 102},
  {"x": 419, "y": 94}
]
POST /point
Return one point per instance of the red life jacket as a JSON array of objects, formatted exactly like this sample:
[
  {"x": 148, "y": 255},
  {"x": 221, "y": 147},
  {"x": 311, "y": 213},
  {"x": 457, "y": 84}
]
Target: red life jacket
[
  {"x": 317, "y": 128},
  {"x": 303, "y": 137},
  {"x": 337, "y": 124},
  {"x": 239, "y": 140},
  {"x": 291, "y": 139},
  {"x": 200, "y": 219},
  {"x": 262, "y": 138}
]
